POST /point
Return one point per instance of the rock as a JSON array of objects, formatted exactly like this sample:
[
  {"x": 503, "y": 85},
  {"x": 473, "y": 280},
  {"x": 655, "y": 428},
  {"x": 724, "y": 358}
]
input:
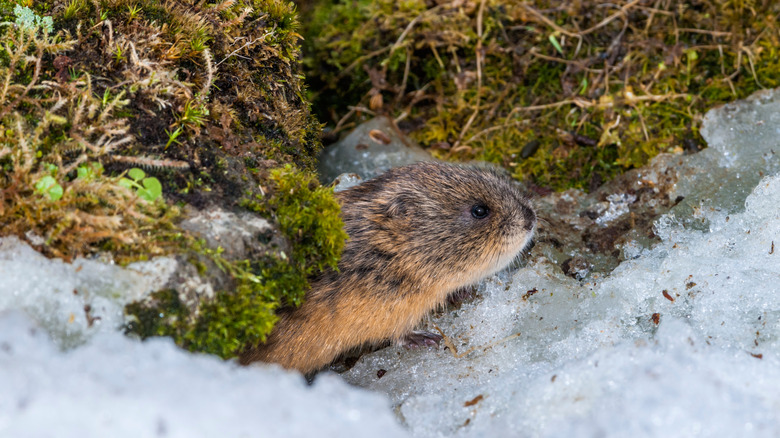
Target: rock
[
  {"x": 370, "y": 150},
  {"x": 241, "y": 236}
]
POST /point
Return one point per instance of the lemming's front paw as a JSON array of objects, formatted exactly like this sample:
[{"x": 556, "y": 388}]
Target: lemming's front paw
[{"x": 420, "y": 338}]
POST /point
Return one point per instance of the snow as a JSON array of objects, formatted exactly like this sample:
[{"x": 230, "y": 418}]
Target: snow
[
  {"x": 56, "y": 294},
  {"x": 118, "y": 387},
  {"x": 709, "y": 367},
  {"x": 681, "y": 339}
]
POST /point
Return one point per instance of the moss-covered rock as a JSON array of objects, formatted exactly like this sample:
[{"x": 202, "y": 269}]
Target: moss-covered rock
[
  {"x": 308, "y": 217},
  {"x": 567, "y": 93},
  {"x": 208, "y": 99}
]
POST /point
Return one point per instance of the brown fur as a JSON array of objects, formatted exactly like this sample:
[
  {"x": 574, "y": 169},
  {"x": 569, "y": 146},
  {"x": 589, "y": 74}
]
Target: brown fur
[{"x": 413, "y": 241}]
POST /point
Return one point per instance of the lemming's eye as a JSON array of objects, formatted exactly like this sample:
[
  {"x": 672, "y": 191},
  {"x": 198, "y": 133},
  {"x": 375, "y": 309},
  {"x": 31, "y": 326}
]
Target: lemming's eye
[{"x": 479, "y": 211}]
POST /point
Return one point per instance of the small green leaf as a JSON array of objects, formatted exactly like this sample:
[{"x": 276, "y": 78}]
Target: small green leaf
[
  {"x": 136, "y": 174},
  {"x": 49, "y": 186},
  {"x": 52, "y": 168},
  {"x": 554, "y": 42},
  {"x": 172, "y": 136},
  {"x": 55, "y": 192},
  {"x": 89, "y": 171},
  {"x": 152, "y": 189},
  {"x": 124, "y": 182},
  {"x": 44, "y": 183}
]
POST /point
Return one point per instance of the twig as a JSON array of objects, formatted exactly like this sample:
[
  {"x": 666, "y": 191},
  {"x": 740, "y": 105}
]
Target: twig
[
  {"x": 704, "y": 31},
  {"x": 402, "y": 88},
  {"x": 343, "y": 119},
  {"x": 495, "y": 128},
  {"x": 410, "y": 26},
  {"x": 478, "y": 50},
  {"x": 360, "y": 59},
  {"x": 630, "y": 98},
  {"x": 260, "y": 39},
  {"x": 598, "y": 26},
  {"x": 149, "y": 162},
  {"x": 582, "y": 103},
  {"x": 577, "y": 64},
  {"x": 451, "y": 345}
]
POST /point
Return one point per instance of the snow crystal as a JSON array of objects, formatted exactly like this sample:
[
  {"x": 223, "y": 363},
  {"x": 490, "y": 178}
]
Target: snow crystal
[{"x": 617, "y": 205}]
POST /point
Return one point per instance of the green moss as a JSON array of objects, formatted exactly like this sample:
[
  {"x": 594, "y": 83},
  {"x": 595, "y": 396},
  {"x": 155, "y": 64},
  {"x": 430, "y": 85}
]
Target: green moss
[
  {"x": 54, "y": 192},
  {"x": 308, "y": 216},
  {"x": 164, "y": 318},
  {"x": 223, "y": 325},
  {"x": 224, "y": 76},
  {"x": 633, "y": 83}
]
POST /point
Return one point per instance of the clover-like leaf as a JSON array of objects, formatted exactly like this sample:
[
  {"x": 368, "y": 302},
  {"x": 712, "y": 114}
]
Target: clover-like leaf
[
  {"x": 136, "y": 174},
  {"x": 127, "y": 183},
  {"x": 49, "y": 186},
  {"x": 148, "y": 188},
  {"x": 88, "y": 172},
  {"x": 152, "y": 189}
]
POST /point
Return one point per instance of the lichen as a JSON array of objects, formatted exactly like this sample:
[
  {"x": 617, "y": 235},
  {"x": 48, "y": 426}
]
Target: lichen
[{"x": 568, "y": 94}]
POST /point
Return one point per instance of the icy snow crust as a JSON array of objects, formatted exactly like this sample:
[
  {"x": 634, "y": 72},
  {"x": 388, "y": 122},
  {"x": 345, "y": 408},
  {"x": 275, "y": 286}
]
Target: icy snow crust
[
  {"x": 682, "y": 339},
  {"x": 587, "y": 359},
  {"x": 56, "y": 294},
  {"x": 118, "y": 387}
]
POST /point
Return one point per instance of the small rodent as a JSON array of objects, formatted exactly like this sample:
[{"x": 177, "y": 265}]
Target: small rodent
[{"x": 416, "y": 234}]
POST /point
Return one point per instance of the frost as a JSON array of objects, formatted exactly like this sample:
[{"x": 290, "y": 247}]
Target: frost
[{"x": 617, "y": 206}]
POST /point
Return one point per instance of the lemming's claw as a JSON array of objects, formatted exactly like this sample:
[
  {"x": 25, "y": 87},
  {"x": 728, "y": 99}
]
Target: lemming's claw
[
  {"x": 419, "y": 339},
  {"x": 462, "y": 294}
]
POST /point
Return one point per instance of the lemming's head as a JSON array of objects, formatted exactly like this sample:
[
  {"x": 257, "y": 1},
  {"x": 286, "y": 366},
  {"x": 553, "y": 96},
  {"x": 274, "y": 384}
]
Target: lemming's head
[{"x": 448, "y": 220}]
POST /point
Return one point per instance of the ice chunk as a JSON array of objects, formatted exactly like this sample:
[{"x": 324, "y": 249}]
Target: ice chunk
[
  {"x": 617, "y": 206},
  {"x": 742, "y": 147},
  {"x": 118, "y": 387},
  {"x": 345, "y": 181}
]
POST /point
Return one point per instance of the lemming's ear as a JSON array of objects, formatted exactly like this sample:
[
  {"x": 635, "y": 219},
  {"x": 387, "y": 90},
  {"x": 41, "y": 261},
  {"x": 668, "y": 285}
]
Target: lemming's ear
[{"x": 398, "y": 206}]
